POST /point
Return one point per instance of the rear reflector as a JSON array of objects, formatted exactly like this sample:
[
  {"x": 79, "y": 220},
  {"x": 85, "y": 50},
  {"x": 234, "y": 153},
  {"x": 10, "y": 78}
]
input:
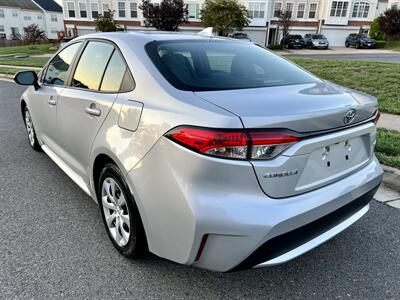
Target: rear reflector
[
  {"x": 201, "y": 247},
  {"x": 233, "y": 144},
  {"x": 377, "y": 117}
]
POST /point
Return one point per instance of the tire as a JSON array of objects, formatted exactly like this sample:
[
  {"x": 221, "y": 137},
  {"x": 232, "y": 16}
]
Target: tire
[
  {"x": 30, "y": 129},
  {"x": 124, "y": 226},
  {"x": 357, "y": 46},
  {"x": 347, "y": 45}
]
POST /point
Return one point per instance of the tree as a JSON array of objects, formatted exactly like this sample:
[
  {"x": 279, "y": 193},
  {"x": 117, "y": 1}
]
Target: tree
[
  {"x": 225, "y": 16},
  {"x": 32, "y": 33},
  {"x": 165, "y": 16},
  {"x": 285, "y": 20},
  {"x": 389, "y": 23},
  {"x": 375, "y": 32},
  {"x": 105, "y": 22}
]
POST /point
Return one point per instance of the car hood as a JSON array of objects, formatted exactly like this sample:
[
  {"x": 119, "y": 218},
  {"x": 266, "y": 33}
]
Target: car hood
[
  {"x": 319, "y": 40},
  {"x": 302, "y": 108},
  {"x": 368, "y": 40}
]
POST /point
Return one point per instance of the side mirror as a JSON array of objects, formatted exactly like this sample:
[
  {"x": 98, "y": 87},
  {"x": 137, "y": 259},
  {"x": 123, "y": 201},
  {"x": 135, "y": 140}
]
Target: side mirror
[{"x": 27, "y": 78}]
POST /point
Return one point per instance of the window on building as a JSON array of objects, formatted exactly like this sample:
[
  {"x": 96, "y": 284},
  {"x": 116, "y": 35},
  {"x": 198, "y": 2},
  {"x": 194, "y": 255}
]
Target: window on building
[
  {"x": 82, "y": 10},
  {"x": 53, "y": 18},
  {"x": 58, "y": 68},
  {"x": 40, "y": 17},
  {"x": 106, "y": 9},
  {"x": 121, "y": 10},
  {"x": 94, "y": 7},
  {"x": 289, "y": 8},
  {"x": 313, "y": 11},
  {"x": 1, "y": 28},
  {"x": 133, "y": 9},
  {"x": 15, "y": 13},
  {"x": 71, "y": 9},
  {"x": 27, "y": 18},
  {"x": 277, "y": 9},
  {"x": 360, "y": 10},
  {"x": 339, "y": 8},
  {"x": 1, "y": 13},
  {"x": 91, "y": 66},
  {"x": 194, "y": 10},
  {"x": 256, "y": 10},
  {"x": 300, "y": 10}
]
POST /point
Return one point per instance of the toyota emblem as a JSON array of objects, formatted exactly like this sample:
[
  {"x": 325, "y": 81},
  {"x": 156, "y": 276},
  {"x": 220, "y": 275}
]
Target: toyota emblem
[{"x": 349, "y": 116}]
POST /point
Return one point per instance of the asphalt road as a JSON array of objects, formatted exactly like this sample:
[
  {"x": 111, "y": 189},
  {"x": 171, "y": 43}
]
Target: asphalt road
[
  {"x": 53, "y": 244},
  {"x": 378, "y": 57}
]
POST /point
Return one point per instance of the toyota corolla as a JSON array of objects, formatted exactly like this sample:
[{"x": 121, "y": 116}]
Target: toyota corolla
[{"x": 206, "y": 151}]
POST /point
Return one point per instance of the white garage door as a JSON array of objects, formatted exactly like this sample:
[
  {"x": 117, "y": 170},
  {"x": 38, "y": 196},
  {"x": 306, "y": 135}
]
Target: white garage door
[
  {"x": 256, "y": 36},
  {"x": 337, "y": 37}
]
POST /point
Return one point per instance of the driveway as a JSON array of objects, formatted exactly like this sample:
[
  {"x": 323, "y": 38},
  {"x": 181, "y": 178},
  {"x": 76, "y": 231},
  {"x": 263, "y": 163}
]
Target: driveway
[{"x": 53, "y": 244}]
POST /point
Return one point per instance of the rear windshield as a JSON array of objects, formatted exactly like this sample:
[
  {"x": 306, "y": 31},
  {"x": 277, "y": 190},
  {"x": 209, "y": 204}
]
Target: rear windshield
[
  {"x": 208, "y": 65},
  {"x": 295, "y": 36}
]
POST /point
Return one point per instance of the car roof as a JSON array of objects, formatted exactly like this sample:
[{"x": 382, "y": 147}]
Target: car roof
[{"x": 148, "y": 36}]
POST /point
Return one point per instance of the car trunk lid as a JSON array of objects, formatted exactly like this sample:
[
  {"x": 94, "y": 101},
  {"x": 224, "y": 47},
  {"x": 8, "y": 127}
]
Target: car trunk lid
[{"x": 328, "y": 150}]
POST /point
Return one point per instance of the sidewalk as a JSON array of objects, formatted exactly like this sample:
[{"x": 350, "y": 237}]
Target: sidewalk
[
  {"x": 20, "y": 67},
  {"x": 389, "y": 121}
]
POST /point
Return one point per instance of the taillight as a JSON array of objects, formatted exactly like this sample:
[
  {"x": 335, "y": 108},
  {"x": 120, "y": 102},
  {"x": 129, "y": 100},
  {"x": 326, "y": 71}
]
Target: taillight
[{"x": 232, "y": 143}]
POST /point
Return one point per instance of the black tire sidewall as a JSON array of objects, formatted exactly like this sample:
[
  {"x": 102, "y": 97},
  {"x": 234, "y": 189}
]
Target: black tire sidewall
[{"x": 137, "y": 244}]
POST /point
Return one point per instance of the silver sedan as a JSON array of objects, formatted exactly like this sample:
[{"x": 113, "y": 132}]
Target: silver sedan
[{"x": 207, "y": 151}]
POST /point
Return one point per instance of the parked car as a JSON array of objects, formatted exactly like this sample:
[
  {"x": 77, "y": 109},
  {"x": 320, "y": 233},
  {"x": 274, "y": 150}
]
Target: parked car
[
  {"x": 65, "y": 40},
  {"x": 240, "y": 36},
  {"x": 360, "y": 40},
  {"x": 204, "y": 150},
  {"x": 294, "y": 41},
  {"x": 316, "y": 41}
]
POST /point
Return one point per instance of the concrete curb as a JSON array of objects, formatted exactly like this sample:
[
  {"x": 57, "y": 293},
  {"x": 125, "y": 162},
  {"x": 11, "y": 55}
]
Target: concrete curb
[{"x": 391, "y": 177}]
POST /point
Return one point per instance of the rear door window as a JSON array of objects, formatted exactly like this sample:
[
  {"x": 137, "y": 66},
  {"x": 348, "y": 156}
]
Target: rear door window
[{"x": 92, "y": 64}]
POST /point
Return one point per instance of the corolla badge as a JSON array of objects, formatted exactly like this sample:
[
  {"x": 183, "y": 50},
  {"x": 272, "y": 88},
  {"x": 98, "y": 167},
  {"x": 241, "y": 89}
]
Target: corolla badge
[
  {"x": 349, "y": 116},
  {"x": 281, "y": 174}
]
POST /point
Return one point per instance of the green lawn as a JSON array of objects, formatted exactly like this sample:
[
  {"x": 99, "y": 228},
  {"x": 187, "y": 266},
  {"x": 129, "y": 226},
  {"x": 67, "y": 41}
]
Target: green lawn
[
  {"x": 11, "y": 71},
  {"x": 31, "y": 62},
  {"x": 29, "y": 49},
  {"x": 381, "y": 80},
  {"x": 393, "y": 45},
  {"x": 388, "y": 147}
]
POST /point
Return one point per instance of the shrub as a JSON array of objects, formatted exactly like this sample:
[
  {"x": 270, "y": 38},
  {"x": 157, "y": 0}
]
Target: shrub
[
  {"x": 380, "y": 44},
  {"x": 275, "y": 46},
  {"x": 375, "y": 32},
  {"x": 389, "y": 23}
]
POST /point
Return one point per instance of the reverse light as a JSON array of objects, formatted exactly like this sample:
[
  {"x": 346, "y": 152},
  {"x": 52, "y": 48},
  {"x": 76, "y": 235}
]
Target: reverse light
[{"x": 233, "y": 144}]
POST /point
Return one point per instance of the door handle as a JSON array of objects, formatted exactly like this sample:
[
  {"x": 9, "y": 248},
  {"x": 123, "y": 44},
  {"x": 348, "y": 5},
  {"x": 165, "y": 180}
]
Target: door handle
[
  {"x": 93, "y": 110},
  {"x": 52, "y": 101}
]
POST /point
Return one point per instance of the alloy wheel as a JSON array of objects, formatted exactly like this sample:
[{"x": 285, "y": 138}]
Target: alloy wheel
[
  {"x": 29, "y": 127},
  {"x": 116, "y": 211}
]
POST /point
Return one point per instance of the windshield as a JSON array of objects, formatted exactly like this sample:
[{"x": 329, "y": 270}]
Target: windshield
[
  {"x": 363, "y": 36},
  {"x": 318, "y": 37},
  {"x": 295, "y": 36},
  {"x": 206, "y": 65}
]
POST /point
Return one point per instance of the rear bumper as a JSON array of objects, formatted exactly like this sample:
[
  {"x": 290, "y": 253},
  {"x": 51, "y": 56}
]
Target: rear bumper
[
  {"x": 183, "y": 196},
  {"x": 289, "y": 245}
]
